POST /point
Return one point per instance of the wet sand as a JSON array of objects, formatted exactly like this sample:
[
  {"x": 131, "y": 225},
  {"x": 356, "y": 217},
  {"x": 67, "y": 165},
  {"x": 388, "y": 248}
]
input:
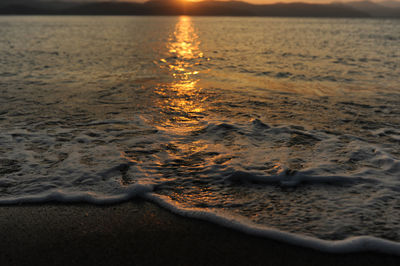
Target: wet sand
[{"x": 140, "y": 233}]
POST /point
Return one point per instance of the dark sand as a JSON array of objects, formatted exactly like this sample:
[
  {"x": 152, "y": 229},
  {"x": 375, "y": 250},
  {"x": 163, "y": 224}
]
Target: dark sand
[{"x": 140, "y": 233}]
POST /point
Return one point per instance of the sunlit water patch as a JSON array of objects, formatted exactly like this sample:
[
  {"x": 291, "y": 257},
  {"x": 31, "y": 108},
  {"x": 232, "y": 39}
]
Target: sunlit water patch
[{"x": 290, "y": 124}]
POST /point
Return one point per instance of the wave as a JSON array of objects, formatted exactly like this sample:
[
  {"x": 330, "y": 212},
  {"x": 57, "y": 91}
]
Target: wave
[
  {"x": 63, "y": 196},
  {"x": 290, "y": 178},
  {"x": 144, "y": 191},
  {"x": 349, "y": 245}
]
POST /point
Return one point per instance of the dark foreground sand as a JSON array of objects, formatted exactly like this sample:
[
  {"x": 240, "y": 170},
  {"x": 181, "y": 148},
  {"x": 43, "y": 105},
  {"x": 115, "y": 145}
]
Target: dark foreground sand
[{"x": 140, "y": 233}]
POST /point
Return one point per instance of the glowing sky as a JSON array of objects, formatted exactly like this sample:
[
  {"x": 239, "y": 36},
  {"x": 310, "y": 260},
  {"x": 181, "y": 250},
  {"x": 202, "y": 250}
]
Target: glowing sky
[
  {"x": 395, "y": 3},
  {"x": 249, "y": 1},
  {"x": 275, "y": 1},
  {"x": 281, "y": 1}
]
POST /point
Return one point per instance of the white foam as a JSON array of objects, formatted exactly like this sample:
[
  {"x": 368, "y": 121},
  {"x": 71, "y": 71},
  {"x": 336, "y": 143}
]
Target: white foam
[
  {"x": 58, "y": 195},
  {"x": 349, "y": 245},
  {"x": 287, "y": 179}
]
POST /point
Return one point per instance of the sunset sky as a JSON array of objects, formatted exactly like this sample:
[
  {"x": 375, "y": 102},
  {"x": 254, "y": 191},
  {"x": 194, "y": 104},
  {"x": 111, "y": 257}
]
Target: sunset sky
[
  {"x": 250, "y": 1},
  {"x": 260, "y": 1},
  {"x": 266, "y": 1}
]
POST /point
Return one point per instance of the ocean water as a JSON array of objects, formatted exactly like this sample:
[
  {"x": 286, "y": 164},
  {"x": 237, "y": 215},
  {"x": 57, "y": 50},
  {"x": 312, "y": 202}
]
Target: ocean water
[{"x": 283, "y": 127}]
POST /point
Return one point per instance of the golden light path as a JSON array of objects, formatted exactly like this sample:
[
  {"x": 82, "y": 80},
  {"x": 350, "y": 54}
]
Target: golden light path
[
  {"x": 183, "y": 108},
  {"x": 186, "y": 105},
  {"x": 181, "y": 100}
]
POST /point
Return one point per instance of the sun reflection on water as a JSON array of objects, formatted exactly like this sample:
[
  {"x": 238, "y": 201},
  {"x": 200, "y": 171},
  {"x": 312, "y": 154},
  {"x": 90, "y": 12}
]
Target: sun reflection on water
[
  {"x": 184, "y": 106},
  {"x": 182, "y": 101}
]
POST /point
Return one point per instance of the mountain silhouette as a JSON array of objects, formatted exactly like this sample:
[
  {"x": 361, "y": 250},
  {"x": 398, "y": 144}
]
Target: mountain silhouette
[{"x": 204, "y": 8}]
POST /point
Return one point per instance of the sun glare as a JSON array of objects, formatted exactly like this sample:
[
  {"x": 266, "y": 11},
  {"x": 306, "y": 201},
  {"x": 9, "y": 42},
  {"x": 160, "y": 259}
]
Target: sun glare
[{"x": 181, "y": 96}]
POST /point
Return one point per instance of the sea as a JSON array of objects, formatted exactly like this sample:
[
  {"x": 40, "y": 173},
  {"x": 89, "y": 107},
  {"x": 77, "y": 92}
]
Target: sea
[{"x": 287, "y": 128}]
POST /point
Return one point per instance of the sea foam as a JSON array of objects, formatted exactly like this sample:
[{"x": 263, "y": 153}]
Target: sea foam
[{"x": 349, "y": 245}]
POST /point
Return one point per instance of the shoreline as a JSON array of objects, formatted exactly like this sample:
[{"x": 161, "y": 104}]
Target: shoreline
[{"x": 141, "y": 233}]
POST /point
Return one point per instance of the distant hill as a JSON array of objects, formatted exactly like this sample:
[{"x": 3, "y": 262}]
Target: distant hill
[
  {"x": 384, "y": 9},
  {"x": 389, "y": 3},
  {"x": 177, "y": 7},
  {"x": 204, "y": 8}
]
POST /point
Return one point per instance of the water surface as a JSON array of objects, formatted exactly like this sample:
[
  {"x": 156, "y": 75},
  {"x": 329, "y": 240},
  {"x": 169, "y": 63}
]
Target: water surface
[{"x": 285, "y": 123}]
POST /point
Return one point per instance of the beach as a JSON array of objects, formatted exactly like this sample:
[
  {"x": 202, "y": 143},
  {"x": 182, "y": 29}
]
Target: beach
[{"x": 141, "y": 233}]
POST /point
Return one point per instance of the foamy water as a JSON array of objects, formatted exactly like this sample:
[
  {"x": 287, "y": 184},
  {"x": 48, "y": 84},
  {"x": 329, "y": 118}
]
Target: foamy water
[{"x": 286, "y": 128}]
